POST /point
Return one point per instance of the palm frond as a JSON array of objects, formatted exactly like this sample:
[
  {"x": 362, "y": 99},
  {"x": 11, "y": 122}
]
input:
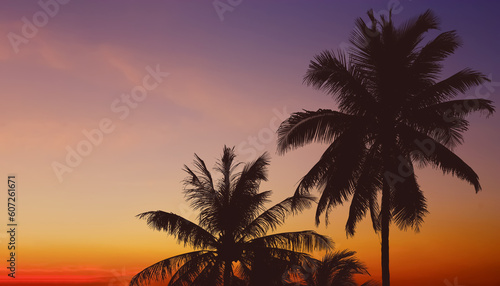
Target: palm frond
[
  {"x": 203, "y": 180},
  {"x": 444, "y": 129},
  {"x": 429, "y": 151},
  {"x": 257, "y": 254},
  {"x": 164, "y": 269},
  {"x": 226, "y": 166},
  {"x": 365, "y": 192},
  {"x": 371, "y": 283},
  {"x": 375, "y": 214},
  {"x": 321, "y": 126},
  {"x": 253, "y": 173},
  {"x": 366, "y": 40},
  {"x": 332, "y": 73},
  {"x": 275, "y": 216},
  {"x": 411, "y": 33},
  {"x": 184, "y": 230},
  {"x": 199, "y": 189},
  {"x": 340, "y": 267},
  {"x": 409, "y": 203},
  {"x": 335, "y": 268},
  {"x": 427, "y": 65},
  {"x": 462, "y": 107},
  {"x": 243, "y": 268},
  {"x": 445, "y": 121},
  {"x": 192, "y": 269},
  {"x": 336, "y": 173},
  {"x": 448, "y": 88},
  {"x": 296, "y": 241},
  {"x": 211, "y": 275}
]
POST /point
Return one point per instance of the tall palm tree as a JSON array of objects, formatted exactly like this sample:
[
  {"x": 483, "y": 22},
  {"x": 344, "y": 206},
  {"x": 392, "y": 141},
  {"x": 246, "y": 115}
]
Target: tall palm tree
[
  {"x": 334, "y": 269},
  {"x": 393, "y": 113},
  {"x": 230, "y": 237}
]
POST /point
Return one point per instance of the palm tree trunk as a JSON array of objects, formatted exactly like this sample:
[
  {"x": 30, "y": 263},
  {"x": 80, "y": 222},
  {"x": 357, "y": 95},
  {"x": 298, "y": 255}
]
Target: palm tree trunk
[
  {"x": 386, "y": 211},
  {"x": 227, "y": 273}
]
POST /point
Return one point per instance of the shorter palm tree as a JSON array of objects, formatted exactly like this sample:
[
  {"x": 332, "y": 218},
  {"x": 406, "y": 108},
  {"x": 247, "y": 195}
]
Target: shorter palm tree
[
  {"x": 230, "y": 238},
  {"x": 334, "y": 269}
]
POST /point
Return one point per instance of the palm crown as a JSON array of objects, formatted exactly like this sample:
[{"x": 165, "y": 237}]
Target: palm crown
[
  {"x": 230, "y": 238},
  {"x": 390, "y": 107},
  {"x": 393, "y": 112},
  {"x": 334, "y": 269}
]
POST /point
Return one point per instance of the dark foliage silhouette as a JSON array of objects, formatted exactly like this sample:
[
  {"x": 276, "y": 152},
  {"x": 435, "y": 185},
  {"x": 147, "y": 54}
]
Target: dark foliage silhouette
[
  {"x": 334, "y": 269},
  {"x": 394, "y": 113},
  {"x": 230, "y": 238}
]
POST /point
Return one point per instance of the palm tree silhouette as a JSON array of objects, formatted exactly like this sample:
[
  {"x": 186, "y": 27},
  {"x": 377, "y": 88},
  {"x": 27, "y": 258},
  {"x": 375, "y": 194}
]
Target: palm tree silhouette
[
  {"x": 334, "y": 269},
  {"x": 393, "y": 112},
  {"x": 230, "y": 238}
]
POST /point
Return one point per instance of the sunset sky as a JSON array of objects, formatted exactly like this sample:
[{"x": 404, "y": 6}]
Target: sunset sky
[{"x": 210, "y": 79}]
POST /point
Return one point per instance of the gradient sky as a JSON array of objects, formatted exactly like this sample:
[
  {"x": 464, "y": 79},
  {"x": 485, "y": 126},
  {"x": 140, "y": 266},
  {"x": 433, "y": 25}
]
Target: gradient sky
[{"x": 229, "y": 79}]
